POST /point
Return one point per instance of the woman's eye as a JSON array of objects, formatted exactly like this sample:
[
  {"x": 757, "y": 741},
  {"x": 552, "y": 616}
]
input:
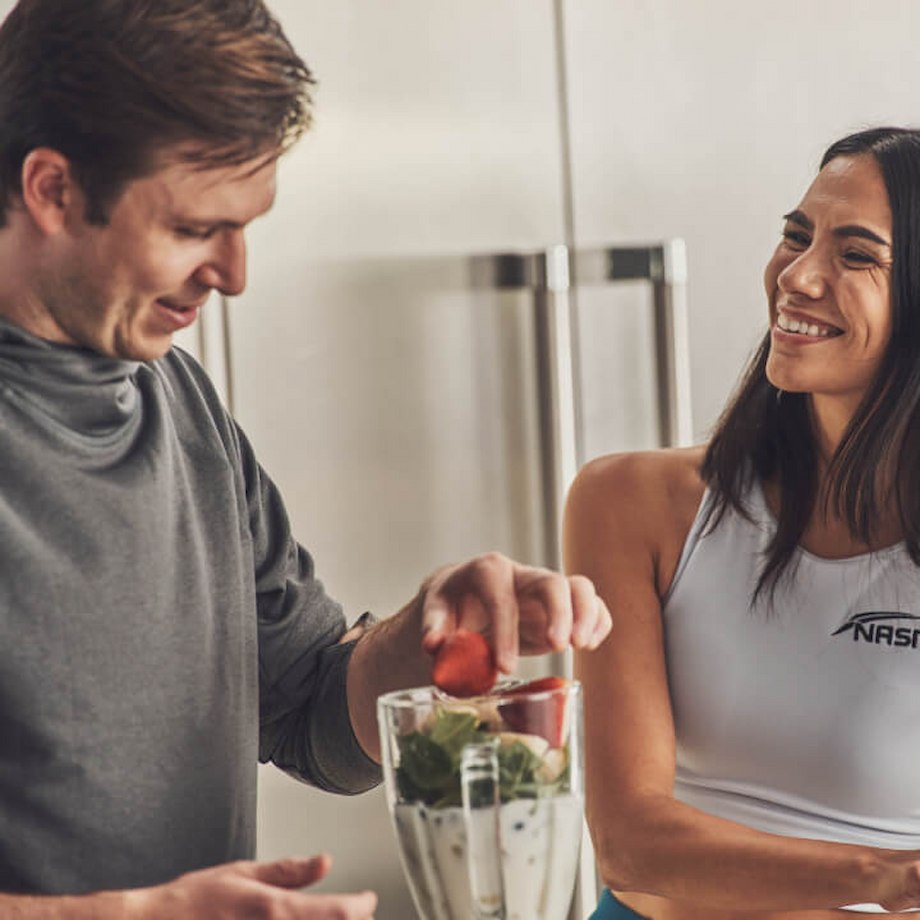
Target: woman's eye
[
  {"x": 858, "y": 258},
  {"x": 796, "y": 238}
]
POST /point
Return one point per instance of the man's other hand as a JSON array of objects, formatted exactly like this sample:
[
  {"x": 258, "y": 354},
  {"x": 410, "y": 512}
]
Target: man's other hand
[{"x": 253, "y": 890}]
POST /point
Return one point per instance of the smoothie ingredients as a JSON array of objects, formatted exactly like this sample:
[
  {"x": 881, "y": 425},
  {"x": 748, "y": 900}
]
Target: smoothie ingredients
[
  {"x": 464, "y": 665},
  {"x": 488, "y": 811},
  {"x": 540, "y": 838},
  {"x": 543, "y": 716},
  {"x": 429, "y": 758}
]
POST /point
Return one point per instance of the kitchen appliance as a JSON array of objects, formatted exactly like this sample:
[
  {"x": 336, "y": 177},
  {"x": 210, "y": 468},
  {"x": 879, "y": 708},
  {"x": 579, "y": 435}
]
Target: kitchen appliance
[{"x": 486, "y": 797}]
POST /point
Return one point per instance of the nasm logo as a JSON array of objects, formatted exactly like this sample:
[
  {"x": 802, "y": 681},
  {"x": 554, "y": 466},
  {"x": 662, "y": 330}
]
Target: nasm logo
[{"x": 883, "y": 627}]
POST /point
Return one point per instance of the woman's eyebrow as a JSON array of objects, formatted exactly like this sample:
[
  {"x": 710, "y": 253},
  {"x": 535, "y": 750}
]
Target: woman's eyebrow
[
  {"x": 862, "y": 232},
  {"x": 800, "y": 218},
  {"x": 847, "y": 230}
]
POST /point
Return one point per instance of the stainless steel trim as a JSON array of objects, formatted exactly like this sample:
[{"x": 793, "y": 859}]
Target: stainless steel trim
[
  {"x": 676, "y": 332},
  {"x": 227, "y": 354},
  {"x": 555, "y": 363},
  {"x": 214, "y": 347},
  {"x": 548, "y": 274},
  {"x": 551, "y": 274},
  {"x": 664, "y": 265}
]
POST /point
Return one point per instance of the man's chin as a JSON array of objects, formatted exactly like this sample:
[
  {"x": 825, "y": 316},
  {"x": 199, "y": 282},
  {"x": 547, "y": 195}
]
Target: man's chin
[
  {"x": 148, "y": 348},
  {"x": 153, "y": 353}
]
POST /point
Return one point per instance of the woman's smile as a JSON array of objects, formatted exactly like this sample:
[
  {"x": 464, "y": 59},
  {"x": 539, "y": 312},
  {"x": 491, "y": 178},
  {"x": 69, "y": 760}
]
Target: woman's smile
[{"x": 800, "y": 326}]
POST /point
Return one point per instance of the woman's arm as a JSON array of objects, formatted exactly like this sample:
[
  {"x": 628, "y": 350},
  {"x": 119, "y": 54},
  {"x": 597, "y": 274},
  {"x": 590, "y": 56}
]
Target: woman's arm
[{"x": 626, "y": 520}]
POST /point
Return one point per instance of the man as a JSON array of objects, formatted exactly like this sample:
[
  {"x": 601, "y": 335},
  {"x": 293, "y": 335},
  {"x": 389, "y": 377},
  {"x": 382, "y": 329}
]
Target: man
[{"x": 160, "y": 628}]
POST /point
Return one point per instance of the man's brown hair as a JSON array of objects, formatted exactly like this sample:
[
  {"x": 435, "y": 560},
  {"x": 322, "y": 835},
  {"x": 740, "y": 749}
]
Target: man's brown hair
[{"x": 111, "y": 83}]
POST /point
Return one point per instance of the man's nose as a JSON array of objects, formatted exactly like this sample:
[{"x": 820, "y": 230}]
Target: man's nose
[{"x": 225, "y": 269}]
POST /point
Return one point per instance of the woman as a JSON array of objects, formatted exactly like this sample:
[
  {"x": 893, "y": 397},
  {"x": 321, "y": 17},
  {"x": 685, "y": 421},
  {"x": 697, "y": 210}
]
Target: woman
[{"x": 753, "y": 743}]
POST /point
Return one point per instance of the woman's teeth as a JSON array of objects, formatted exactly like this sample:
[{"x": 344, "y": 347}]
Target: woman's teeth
[{"x": 803, "y": 328}]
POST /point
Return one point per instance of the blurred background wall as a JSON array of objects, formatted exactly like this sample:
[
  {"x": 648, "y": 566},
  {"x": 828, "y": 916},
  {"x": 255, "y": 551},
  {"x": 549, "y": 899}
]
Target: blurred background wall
[{"x": 394, "y": 399}]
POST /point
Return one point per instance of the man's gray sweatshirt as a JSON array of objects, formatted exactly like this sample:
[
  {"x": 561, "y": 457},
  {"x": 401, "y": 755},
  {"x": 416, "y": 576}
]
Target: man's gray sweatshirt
[{"x": 160, "y": 628}]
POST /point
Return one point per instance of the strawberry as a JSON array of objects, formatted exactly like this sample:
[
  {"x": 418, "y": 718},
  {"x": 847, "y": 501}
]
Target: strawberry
[
  {"x": 543, "y": 717},
  {"x": 464, "y": 664}
]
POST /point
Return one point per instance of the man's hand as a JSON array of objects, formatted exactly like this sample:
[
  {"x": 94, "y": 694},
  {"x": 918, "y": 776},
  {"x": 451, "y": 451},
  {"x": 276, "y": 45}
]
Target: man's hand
[
  {"x": 520, "y": 609},
  {"x": 252, "y": 890}
]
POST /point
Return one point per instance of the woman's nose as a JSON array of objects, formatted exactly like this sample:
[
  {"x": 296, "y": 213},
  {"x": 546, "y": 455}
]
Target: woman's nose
[{"x": 806, "y": 274}]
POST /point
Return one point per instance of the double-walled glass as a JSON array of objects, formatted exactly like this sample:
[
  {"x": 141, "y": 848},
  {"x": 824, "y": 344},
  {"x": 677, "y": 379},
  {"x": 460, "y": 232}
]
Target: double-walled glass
[{"x": 487, "y": 799}]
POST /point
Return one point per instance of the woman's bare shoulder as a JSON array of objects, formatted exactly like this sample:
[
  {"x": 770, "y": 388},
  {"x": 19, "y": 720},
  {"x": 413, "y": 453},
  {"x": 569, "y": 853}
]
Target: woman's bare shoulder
[
  {"x": 633, "y": 511},
  {"x": 666, "y": 479}
]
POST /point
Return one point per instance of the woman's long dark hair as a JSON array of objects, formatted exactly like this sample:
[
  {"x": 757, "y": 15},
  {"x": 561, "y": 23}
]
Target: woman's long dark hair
[{"x": 768, "y": 434}]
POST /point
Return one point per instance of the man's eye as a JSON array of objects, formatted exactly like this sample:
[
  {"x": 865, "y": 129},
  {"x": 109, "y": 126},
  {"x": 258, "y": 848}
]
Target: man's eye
[
  {"x": 193, "y": 234},
  {"x": 796, "y": 238}
]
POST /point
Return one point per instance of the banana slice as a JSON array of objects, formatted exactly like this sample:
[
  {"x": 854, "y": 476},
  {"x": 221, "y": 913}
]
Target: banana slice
[
  {"x": 554, "y": 762},
  {"x": 534, "y": 743}
]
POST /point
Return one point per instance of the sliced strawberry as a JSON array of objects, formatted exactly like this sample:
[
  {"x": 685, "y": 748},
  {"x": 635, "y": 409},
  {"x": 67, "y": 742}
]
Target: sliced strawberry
[
  {"x": 539, "y": 685},
  {"x": 464, "y": 665},
  {"x": 544, "y": 717}
]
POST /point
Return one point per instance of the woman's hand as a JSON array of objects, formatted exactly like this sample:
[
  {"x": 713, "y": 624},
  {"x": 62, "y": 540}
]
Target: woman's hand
[{"x": 899, "y": 887}]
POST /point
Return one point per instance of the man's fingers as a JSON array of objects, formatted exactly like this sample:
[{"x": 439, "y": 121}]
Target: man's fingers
[
  {"x": 591, "y": 619},
  {"x": 490, "y": 598},
  {"x": 437, "y": 622},
  {"x": 438, "y": 613},
  {"x": 549, "y": 603},
  {"x": 480, "y": 596},
  {"x": 360, "y": 906},
  {"x": 523, "y": 608},
  {"x": 601, "y": 632},
  {"x": 289, "y": 873},
  {"x": 603, "y": 625}
]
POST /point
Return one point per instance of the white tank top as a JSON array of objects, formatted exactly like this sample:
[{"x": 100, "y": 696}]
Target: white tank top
[{"x": 802, "y": 719}]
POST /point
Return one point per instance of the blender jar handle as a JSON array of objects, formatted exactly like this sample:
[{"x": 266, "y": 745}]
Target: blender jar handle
[{"x": 479, "y": 785}]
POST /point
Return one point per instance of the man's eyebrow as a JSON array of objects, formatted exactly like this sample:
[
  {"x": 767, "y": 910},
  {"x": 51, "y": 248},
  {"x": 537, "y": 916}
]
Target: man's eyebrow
[
  {"x": 802, "y": 219},
  {"x": 207, "y": 222}
]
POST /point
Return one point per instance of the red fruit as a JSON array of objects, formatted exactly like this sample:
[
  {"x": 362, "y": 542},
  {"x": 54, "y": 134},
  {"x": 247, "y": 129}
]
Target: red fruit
[
  {"x": 544, "y": 717},
  {"x": 464, "y": 665}
]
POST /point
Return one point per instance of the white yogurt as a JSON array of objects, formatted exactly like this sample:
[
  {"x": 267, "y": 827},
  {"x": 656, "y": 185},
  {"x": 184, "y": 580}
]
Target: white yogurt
[{"x": 540, "y": 840}]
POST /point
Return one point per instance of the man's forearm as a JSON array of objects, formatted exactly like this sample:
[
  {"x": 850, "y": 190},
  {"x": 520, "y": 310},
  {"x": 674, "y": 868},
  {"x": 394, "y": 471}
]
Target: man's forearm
[
  {"x": 107, "y": 905},
  {"x": 388, "y": 657},
  {"x": 237, "y": 889}
]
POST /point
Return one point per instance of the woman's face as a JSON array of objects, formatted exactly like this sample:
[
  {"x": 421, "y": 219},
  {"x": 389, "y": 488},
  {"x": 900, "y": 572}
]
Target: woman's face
[{"x": 829, "y": 284}]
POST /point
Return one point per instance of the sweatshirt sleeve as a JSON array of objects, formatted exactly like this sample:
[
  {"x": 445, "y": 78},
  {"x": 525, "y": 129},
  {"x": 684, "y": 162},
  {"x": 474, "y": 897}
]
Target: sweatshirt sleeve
[{"x": 305, "y": 728}]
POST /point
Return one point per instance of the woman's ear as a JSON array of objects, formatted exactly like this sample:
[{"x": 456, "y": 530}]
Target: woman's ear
[{"x": 49, "y": 189}]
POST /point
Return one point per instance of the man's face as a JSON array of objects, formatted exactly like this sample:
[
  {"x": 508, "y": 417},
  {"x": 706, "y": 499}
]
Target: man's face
[{"x": 173, "y": 237}]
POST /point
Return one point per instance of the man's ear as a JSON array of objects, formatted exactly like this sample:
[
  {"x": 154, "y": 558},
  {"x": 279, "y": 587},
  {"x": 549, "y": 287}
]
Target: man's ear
[{"x": 49, "y": 189}]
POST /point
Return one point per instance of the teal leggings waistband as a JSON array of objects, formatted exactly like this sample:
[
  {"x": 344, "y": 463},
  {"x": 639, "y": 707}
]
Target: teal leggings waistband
[{"x": 609, "y": 908}]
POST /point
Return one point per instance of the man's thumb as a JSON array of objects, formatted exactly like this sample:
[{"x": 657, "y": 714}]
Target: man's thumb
[{"x": 293, "y": 872}]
